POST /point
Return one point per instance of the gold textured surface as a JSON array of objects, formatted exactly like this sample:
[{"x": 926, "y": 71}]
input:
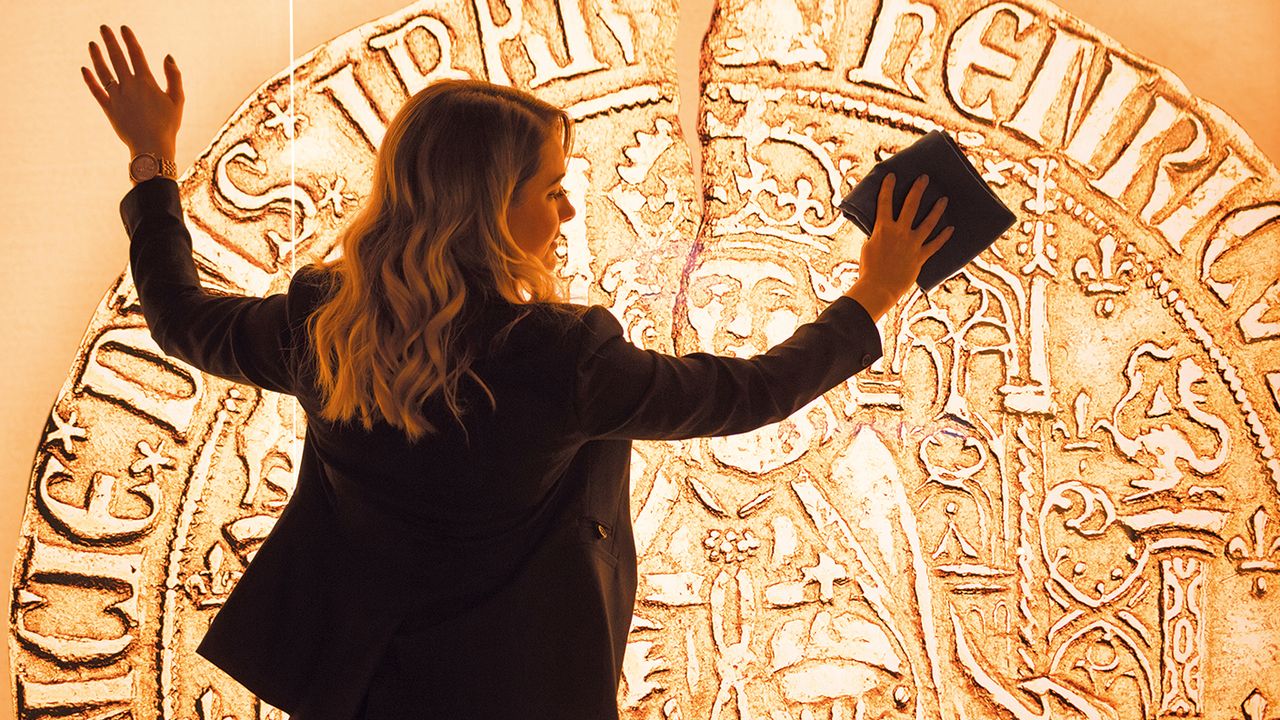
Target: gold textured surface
[{"x": 1055, "y": 496}]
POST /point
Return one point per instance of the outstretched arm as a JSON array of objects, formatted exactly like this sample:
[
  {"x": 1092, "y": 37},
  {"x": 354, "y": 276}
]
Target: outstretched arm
[
  {"x": 623, "y": 391},
  {"x": 245, "y": 339}
]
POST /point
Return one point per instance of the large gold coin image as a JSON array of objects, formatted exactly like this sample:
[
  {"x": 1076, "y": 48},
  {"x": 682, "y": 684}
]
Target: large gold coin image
[{"x": 1055, "y": 496}]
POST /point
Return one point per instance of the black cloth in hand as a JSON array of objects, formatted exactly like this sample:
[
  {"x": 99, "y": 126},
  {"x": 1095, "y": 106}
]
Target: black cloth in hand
[{"x": 976, "y": 212}]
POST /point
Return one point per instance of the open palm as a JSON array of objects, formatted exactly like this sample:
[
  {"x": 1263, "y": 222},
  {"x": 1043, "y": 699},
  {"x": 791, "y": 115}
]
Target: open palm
[{"x": 145, "y": 117}]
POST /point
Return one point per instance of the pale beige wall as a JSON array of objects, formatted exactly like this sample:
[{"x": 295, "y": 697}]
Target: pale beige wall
[{"x": 64, "y": 170}]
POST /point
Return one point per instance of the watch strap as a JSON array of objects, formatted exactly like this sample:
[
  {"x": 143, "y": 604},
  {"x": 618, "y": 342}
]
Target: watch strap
[{"x": 168, "y": 168}]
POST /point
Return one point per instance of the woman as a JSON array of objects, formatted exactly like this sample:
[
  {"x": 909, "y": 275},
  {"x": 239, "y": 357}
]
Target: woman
[{"x": 459, "y": 543}]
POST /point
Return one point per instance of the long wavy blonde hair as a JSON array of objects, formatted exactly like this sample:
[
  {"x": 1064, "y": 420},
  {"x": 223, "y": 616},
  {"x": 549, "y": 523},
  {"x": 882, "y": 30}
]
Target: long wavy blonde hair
[{"x": 432, "y": 230}]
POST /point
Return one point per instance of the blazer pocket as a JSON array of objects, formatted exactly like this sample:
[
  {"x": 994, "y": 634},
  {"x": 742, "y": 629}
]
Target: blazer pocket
[{"x": 598, "y": 536}]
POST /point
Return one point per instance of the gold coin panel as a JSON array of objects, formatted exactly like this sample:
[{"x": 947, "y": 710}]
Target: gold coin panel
[{"x": 1054, "y": 496}]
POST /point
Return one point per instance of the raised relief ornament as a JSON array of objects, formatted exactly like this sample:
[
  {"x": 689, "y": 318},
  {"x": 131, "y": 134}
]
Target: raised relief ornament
[{"x": 1055, "y": 496}]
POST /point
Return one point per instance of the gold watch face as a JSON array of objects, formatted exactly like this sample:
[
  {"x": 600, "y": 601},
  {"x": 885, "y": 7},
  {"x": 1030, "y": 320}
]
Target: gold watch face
[
  {"x": 1055, "y": 495},
  {"x": 143, "y": 167}
]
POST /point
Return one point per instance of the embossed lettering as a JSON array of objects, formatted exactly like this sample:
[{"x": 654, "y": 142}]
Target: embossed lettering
[
  {"x": 967, "y": 52},
  {"x": 1230, "y": 233},
  {"x": 1121, "y": 173},
  {"x": 1120, "y": 80},
  {"x": 354, "y": 102},
  {"x": 1204, "y": 199},
  {"x": 407, "y": 67},
  {"x": 166, "y": 391},
  {"x": 73, "y": 697},
  {"x": 885, "y": 36},
  {"x": 582, "y": 56},
  {"x": 1065, "y": 68},
  {"x": 82, "y": 569},
  {"x": 95, "y": 522}
]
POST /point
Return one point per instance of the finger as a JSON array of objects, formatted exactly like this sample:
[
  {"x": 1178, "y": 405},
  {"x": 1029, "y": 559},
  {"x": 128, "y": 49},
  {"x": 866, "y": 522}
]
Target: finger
[
  {"x": 118, "y": 61},
  {"x": 173, "y": 80},
  {"x": 100, "y": 66},
  {"x": 912, "y": 204},
  {"x": 96, "y": 90},
  {"x": 884, "y": 203},
  {"x": 936, "y": 244},
  {"x": 136, "y": 56},
  {"x": 926, "y": 226}
]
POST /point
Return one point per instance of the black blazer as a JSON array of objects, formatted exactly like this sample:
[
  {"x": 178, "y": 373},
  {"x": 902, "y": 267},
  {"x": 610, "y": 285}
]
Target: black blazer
[{"x": 497, "y": 567}]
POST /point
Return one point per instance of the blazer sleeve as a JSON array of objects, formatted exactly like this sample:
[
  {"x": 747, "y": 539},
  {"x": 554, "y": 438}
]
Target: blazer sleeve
[
  {"x": 243, "y": 339},
  {"x": 621, "y": 391}
]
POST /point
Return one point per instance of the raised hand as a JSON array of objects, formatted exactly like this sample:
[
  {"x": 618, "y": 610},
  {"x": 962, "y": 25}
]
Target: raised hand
[
  {"x": 895, "y": 252},
  {"x": 145, "y": 117}
]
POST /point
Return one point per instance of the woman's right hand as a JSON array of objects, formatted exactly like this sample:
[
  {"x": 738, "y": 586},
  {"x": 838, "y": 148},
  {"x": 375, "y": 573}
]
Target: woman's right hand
[{"x": 892, "y": 256}]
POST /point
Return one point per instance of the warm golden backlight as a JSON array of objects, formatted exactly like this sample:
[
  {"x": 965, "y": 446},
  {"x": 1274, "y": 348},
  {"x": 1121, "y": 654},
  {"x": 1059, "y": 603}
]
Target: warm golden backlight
[{"x": 1055, "y": 496}]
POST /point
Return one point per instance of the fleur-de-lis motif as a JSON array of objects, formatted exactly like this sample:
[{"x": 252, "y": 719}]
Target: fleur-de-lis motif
[
  {"x": 1105, "y": 280},
  {"x": 1080, "y": 414},
  {"x": 211, "y": 586},
  {"x": 1253, "y": 552}
]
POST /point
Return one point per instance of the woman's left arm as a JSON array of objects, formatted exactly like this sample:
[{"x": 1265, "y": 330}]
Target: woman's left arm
[{"x": 245, "y": 339}]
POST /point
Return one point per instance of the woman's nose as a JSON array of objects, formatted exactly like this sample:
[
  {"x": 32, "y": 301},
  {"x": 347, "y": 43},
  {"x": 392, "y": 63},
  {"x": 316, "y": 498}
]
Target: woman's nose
[{"x": 567, "y": 210}]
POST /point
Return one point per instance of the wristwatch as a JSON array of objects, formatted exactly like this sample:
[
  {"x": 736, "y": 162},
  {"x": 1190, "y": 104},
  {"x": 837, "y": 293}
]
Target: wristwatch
[{"x": 145, "y": 166}]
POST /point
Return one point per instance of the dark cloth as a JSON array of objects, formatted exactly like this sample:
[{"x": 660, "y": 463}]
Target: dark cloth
[
  {"x": 973, "y": 209},
  {"x": 473, "y": 573}
]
